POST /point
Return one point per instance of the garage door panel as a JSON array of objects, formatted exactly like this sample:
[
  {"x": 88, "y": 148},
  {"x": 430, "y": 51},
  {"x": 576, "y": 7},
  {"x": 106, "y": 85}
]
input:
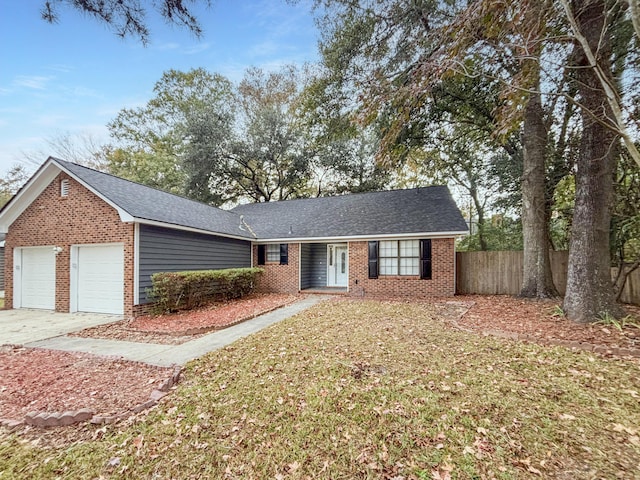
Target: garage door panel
[
  {"x": 38, "y": 278},
  {"x": 101, "y": 279}
]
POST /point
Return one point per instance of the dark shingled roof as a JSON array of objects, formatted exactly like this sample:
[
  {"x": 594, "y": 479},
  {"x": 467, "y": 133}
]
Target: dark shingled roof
[
  {"x": 147, "y": 203},
  {"x": 417, "y": 210}
]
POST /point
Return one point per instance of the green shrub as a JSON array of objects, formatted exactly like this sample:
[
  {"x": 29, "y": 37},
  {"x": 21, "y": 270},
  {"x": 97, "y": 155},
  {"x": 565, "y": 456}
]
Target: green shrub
[{"x": 173, "y": 291}]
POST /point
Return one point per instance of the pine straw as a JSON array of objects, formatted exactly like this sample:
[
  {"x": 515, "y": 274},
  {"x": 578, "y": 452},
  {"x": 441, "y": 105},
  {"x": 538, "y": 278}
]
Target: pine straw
[
  {"x": 365, "y": 389},
  {"x": 181, "y": 327}
]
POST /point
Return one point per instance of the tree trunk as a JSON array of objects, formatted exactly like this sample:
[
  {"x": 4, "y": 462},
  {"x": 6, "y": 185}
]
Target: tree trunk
[
  {"x": 481, "y": 220},
  {"x": 537, "y": 280},
  {"x": 590, "y": 291}
]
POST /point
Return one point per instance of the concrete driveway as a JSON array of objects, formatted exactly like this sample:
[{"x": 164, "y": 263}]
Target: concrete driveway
[{"x": 21, "y": 326}]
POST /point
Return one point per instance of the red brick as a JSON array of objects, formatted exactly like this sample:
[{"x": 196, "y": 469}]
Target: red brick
[
  {"x": 442, "y": 283},
  {"x": 280, "y": 278},
  {"x": 80, "y": 218},
  {"x": 285, "y": 278}
]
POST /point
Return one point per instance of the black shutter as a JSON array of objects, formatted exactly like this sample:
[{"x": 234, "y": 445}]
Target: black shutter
[
  {"x": 284, "y": 254},
  {"x": 425, "y": 258},
  {"x": 262, "y": 253},
  {"x": 373, "y": 259}
]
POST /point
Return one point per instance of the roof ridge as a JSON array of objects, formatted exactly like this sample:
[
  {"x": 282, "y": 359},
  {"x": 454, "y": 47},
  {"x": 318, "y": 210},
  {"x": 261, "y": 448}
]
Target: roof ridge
[{"x": 343, "y": 195}]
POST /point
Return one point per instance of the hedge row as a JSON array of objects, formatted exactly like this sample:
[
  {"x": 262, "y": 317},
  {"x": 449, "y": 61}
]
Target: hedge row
[{"x": 173, "y": 291}]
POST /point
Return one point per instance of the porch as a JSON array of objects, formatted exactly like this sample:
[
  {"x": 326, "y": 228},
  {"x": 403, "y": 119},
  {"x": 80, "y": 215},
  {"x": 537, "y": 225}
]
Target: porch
[
  {"x": 324, "y": 267},
  {"x": 326, "y": 290}
]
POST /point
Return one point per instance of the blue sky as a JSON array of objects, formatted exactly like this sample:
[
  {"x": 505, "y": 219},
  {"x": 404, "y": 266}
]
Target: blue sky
[{"x": 73, "y": 77}]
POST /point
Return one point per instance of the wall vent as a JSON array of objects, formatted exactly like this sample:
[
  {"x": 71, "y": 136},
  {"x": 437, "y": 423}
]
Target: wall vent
[{"x": 64, "y": 187}]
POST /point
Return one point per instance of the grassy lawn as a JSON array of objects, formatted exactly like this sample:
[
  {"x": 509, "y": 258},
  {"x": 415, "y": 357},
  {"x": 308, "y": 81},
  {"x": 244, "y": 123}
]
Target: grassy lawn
[{"x": 370, "y": 390}]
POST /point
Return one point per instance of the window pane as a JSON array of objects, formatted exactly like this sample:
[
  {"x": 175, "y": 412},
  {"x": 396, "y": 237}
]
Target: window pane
[
  {"x": 409, "y": 248},
  {"x": 273, "y": 252},
  {"x": 409, "y": 266},
  {"x": 388, "y": 249},
  {"x": 388, "y": 266}
]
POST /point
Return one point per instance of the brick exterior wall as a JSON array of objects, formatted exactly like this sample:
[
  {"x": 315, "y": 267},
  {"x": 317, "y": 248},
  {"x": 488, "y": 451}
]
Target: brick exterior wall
[
  {"x": 280, "y": 278},
  {"x": 285, "y": 278},
  {"x": 442, "y": 283},
  {"x": 80, "y": 218}
]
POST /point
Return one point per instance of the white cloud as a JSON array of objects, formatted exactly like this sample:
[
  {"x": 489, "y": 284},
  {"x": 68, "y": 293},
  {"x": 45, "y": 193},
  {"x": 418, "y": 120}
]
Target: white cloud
[
  {"x": 197, "y": 48},
  {"x": 60, "y": 68},
  {"x": 49, "y": 120},
  {"x": 281, "y": 22},
  {"x": 166, "y": 46},
  {"x": 35, "y": 82},
  {"x": 185, "y": 50},
  {"x": 266, "y": 48},
  {"x": 84, "y": 92}
]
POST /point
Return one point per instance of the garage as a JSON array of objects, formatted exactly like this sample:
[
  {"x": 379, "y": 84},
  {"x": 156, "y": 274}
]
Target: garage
[
  {"x": 36, "y": 281},
  {"x": 100, "y": 278}
]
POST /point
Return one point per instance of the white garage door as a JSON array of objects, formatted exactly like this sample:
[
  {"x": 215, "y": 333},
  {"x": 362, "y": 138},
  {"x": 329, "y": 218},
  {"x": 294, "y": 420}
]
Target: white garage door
[
  {"x": 38, "y": 278},
  {"x": 101, "y": 279}
]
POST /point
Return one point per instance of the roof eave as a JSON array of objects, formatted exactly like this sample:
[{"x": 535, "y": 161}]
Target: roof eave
[
  {"x": 347, "y": 238},
  {"x": 174, "y": 226},
  {"x": 40, "y": 180}
]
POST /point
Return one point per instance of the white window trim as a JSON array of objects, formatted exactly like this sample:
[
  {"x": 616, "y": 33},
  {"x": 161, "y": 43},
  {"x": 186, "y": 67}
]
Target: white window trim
[
  {"x": 275, "y": 252},
  {"x": 398, "y": 259}
]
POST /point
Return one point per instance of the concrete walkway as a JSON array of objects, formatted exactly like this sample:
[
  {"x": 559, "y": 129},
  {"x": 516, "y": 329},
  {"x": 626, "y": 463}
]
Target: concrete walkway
[{"x": 167, "y": 355}]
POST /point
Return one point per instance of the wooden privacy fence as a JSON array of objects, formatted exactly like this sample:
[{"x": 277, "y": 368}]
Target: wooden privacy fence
[{"x": 500, "y": 273}]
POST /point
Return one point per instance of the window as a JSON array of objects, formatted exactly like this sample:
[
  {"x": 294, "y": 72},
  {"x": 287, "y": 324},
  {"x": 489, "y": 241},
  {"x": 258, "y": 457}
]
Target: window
[
  {"x": 273, "y": 252},
  {"x": 399, "y": 257},
  {"x": 64, "y": 187}
]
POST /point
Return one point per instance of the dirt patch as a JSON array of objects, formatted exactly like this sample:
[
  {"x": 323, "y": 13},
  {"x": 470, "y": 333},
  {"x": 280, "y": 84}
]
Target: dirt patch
[
  {"x": 53, "y": 381},
  {"x": 177, "y": 328},
  {"x": 541, "y": 319}
]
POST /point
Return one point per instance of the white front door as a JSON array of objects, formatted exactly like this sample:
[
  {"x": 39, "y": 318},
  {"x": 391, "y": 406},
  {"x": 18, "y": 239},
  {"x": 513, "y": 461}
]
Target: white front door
[{"x": 337, "y": 265}]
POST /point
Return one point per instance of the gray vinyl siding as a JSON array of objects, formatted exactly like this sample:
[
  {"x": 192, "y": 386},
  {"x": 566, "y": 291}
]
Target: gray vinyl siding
[
  {"x": 167, "y": 250},
  {"x": 313, "y": 267}
]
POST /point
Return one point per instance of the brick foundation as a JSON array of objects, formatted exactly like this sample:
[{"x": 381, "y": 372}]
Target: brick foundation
[{"x": 80, "y": 218}]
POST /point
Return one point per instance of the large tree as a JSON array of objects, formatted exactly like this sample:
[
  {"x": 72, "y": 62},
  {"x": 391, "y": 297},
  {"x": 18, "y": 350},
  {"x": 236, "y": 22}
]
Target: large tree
[
  {"x": 393, "y": 54},
  {"x": 261, "y": 154},
  {"x": 589, "y": 290},
  {"x": 537, "y": 281},
  {"x": 467, "y": 76},
  {"x": 150, "y": 141}
]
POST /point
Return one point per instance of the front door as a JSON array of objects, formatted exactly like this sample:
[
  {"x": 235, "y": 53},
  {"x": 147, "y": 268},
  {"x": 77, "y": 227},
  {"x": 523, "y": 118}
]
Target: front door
[{"x": 337, "y": 265}]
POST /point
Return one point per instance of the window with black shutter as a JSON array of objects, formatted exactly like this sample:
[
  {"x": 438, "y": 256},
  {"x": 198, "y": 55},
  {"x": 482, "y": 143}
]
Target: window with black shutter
[
  {"x": 425, "y": 259},
  {"x": 373, "y": 259},
  {"x": 284, "y": 254}
]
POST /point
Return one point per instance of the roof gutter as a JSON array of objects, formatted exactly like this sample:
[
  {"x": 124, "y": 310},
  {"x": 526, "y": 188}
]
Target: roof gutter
[
  {"x": 173, "y": 226},
  {"x": 345, "y": 238}
]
